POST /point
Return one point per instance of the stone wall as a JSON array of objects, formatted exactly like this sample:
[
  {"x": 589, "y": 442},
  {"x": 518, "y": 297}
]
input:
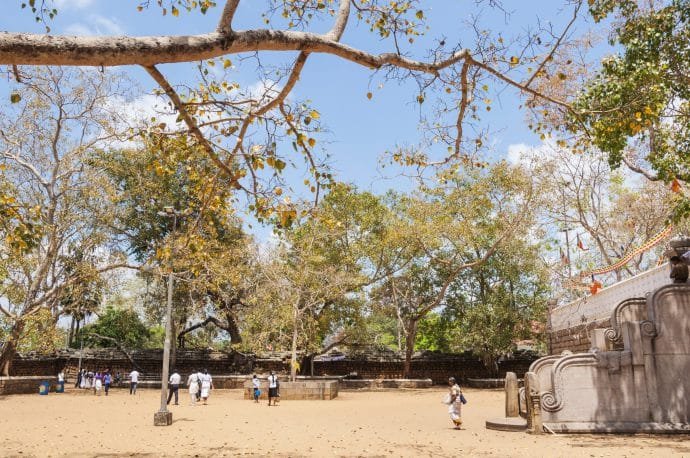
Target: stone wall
[
  {"x": 300, "y": 390},
  {"x": 25, "y": 384},
  {"x": 437, "y": 367},
  {"x": 575, "y": 339}
]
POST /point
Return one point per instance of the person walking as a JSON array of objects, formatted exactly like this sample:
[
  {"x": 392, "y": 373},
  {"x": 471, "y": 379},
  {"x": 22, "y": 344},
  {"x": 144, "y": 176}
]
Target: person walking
[
  {"x": 193, "y": 384},
  {"x": 61, "y": 381},
  {"x": 455, "y": 403},
  {"x": 273, "y": 389},
  {"x": 199, "y": 376},
  {"x": 133, "y": 380},
  {"x": 206, "y": 385},
  {"x": 77, "y": 383},
  {"x": 82, "y": 381},
  {"x": 256, "y": 384},
  {"x": 107, "y": 380},
  {"x": 97, "y": 383},
  {"x": 174, "y": 386}
]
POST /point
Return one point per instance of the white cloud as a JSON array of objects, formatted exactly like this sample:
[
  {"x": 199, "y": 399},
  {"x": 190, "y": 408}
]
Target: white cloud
[
  {"x": 137, "y": 114},
  {"x": 97, "y": 25},
  {"x": 524, "y": 154}
]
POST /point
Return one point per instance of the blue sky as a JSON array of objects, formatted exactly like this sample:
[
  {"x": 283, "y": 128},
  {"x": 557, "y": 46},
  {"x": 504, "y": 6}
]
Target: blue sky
[{"x": 360, "y": 130}]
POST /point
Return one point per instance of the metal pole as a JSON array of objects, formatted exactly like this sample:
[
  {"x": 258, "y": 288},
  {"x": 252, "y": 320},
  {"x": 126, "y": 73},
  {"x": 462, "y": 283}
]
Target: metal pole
[{"x": 168, "y": 328}]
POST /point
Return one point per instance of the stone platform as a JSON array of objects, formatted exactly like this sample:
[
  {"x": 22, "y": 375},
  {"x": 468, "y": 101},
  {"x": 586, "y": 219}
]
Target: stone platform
[
  {"x": 383, "y": 384},
  {"x": 300, "y": 390},
  {"x": 515, "y": 424}
]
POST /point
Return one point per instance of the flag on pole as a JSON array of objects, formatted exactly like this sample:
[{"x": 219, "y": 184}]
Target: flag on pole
[
  {"x": 564, "y": 258},
  {"x": 675, "y": 185},
  {"x": 580, "y": 245}
]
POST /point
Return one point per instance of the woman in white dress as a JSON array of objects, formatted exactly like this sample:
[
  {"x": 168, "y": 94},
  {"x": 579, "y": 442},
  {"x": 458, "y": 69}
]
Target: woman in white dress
[
  {"x": 454, "y": 403},
  {"x": 206, "y": 385},
  {"x": 193, "y": 382}
]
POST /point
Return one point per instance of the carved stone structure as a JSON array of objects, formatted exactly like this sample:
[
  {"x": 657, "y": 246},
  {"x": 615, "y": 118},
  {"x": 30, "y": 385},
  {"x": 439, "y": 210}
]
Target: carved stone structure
[
  {"x": 512, "y": 421},
  {"x": 635, "y": 378}
]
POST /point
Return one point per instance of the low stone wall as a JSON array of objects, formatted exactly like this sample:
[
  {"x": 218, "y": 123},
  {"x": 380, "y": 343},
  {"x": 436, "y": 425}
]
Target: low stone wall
[
  {"x": 24, "y": 384},
  {"x": 315, "y": 390},
  {"x": 432, "y": 366},
  {"x": 382, "y": 384}
]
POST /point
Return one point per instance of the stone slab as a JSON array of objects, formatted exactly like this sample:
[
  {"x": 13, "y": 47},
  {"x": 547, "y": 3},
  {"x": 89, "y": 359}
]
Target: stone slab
[
  {"x": 514, "y": 424},
  {"x": 618, "y": 427},
  {"x": 162, "y": 419}
]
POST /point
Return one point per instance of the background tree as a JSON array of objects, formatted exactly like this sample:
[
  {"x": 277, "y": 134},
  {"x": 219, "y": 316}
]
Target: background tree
[
  {"x": 116, "y": 328},
  {"x": 44, "y": 140},
  {"x": 448, "y": 230},
  {"x": 636, "y": 108},
  {"x": 208, "y": 248}
]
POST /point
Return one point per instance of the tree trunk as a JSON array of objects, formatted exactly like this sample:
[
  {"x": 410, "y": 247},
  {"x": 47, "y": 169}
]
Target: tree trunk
[
  {"x": 173, "y": 346},
  {"x": 293, "y": 359},
  {"x": 70, "y": 339},
  {"x": 307, "y": 364},
  {"x": 410, "y": 337},
  {"x": 10, "y": 348}
]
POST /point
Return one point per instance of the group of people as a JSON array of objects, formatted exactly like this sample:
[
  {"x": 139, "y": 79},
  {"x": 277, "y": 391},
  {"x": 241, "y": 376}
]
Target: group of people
[
  {"x": 200, "y": 384},
  {"x": 273, "y": 388},
  {"x": 99, "y": 380}
]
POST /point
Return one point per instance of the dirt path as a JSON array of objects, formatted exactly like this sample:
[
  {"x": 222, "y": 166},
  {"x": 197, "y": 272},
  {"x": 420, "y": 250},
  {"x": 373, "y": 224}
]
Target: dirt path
[{"x": 392, "y": 423}]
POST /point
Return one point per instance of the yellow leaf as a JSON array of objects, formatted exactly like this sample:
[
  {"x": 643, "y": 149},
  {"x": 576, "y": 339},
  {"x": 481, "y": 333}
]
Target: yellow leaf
[
  {"x": 314, "y": 114},
  {"x": 312, "y": 142},
  {"x": 175, "y": 12},
  {"x": 514, "y": 60},
  {"x": 369, "y": 95}
]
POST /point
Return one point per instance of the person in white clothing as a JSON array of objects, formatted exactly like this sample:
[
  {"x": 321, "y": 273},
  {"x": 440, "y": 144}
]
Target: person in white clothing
[
  {"x": 133, "y": 380},
  {"x": 174, "y": 386},
  {"x": 61, "y": 381},
  {"x": 193, "y": 383},
  {"x": 199, "y": 375},
  {"x": 256, "y": 384},
  {"x": 206, "y": 385},
  {"x": 273, "y": 389}
]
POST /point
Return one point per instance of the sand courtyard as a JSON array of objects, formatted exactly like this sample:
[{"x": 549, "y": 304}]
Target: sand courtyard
[{"x": 369, "y": 424}]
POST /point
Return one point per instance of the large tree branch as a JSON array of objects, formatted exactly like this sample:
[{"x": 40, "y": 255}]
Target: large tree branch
[
  {"x": 35, "y": 49},
  {"x": 225, "y": 22},
  {"x": 637, "y": 169},
  {"x": 211, "y": 319},
  {"x": 191, "y": 123},
  {"x": 119, "y": 347}
]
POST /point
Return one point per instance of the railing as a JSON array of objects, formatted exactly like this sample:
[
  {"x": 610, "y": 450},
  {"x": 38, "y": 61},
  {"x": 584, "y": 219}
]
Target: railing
[{"x": 599, "y": 306}]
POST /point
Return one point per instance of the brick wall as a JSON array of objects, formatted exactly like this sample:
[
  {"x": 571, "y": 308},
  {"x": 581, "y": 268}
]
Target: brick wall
[{"x": 576, "y": 339}]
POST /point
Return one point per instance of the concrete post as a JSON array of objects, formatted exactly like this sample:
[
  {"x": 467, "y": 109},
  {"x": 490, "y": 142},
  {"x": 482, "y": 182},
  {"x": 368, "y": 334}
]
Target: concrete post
[
  {"x": 534, "y": 424},
  {"x": 511, "y": 388}
]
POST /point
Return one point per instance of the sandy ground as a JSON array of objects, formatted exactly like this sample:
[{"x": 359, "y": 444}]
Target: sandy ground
[{"x": 393, "y": 423}]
